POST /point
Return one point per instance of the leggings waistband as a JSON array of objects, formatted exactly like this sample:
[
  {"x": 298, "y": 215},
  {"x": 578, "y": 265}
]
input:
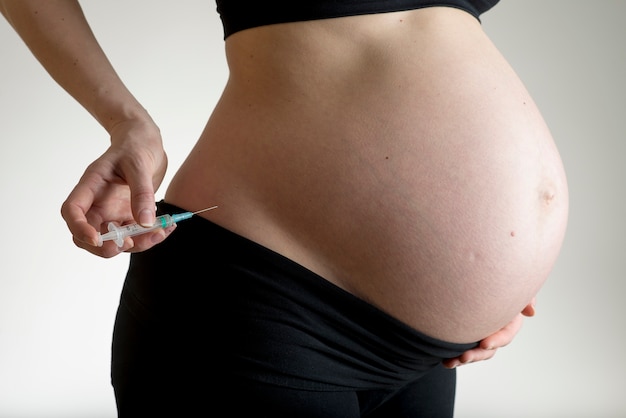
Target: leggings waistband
[{"x": 274, "y": 320}]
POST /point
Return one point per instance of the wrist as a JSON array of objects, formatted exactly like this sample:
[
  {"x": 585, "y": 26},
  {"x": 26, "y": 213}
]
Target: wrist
[
  {"x": 112, "y": 107},
  {"x": 136, "y": 131}
]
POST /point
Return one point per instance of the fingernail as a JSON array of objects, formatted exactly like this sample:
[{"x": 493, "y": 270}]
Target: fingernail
[
  {"x": 94, "y": 242},
  {"x": 146, "y": 218}
]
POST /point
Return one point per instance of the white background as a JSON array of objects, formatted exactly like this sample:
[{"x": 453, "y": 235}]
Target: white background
[{"x": 57, "y": 303}]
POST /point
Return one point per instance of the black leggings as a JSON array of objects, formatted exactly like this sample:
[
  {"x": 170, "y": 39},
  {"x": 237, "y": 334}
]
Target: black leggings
[
  {"x": 430, "y": 396},
  {"x": 212, "y": 324}
]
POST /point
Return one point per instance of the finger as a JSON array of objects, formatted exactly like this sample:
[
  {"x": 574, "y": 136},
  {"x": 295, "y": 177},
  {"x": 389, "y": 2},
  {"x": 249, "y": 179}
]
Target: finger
[
  {"x": 503, "y": 337},
  {"x": 451, "y": 363},
  {"x": 478, "y": 354},
  {"x": 74, "y": 211},
  {"x": 149, "y": 240},
  {"x": 470, "y": 356},
  {"x": 108, "y": 250},
  {"x": 141, "y": 195}
]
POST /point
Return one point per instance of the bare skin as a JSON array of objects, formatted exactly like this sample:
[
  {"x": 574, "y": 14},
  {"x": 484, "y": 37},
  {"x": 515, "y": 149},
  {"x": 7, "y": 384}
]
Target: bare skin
[{"x": 397, "y": 155}]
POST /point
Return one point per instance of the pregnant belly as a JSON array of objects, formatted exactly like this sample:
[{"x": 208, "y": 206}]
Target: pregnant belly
[
  {"x": 451, "y": 226},
  {"x": 452, "y": 231},
  {"x": 450, "y": 222},
  {"x": 429, "y": 185},
  {"x": 453, "y": 240}
]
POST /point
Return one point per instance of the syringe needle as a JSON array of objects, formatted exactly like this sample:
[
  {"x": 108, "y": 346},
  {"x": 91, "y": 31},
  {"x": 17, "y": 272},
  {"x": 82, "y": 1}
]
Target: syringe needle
[{"x": 204, "y": 210}]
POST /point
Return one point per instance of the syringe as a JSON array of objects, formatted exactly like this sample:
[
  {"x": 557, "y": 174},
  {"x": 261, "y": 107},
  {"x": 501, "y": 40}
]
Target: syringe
[{"x": 118, "y": 233}]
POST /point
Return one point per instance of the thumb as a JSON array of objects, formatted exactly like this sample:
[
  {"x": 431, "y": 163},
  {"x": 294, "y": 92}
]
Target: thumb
[
  {"x": 144, "y": 214},
  {"x": 142, "y": 200}
]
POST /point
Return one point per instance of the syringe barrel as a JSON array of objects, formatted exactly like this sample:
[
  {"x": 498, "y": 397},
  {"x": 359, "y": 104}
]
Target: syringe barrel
[{"x": 119, "y": 233}]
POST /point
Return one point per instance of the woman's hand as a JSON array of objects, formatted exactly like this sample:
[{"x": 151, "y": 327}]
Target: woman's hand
[
  {"x": 119, "y": 186},
  {"x": 487, "y": 348}
]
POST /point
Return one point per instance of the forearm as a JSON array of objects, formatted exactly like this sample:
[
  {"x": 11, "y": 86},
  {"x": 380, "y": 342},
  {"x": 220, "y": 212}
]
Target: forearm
[{"x": 60, "y": 38}]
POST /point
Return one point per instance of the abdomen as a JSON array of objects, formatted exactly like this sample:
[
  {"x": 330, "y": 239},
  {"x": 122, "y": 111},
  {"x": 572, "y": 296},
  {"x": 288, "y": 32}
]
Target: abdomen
[{"x": 415, "y": 172}]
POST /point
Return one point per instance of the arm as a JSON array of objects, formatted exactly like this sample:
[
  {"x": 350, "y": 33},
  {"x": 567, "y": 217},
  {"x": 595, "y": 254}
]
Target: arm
[
  {"x": 120, "y": 184},
  {"x": 58, "y": 35}
]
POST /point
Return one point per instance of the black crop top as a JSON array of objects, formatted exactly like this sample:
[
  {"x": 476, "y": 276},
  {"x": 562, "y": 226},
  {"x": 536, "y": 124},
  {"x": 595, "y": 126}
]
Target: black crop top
[{"x": 238, "y": 15}]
